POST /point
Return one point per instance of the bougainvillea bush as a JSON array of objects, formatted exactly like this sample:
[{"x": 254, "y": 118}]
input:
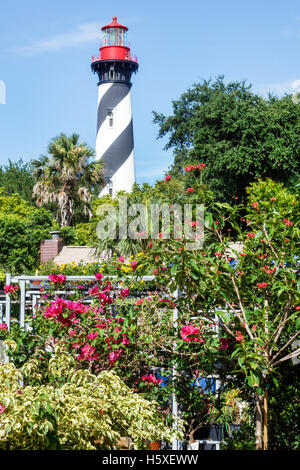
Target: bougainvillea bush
[{"x": 76, "y": 409}]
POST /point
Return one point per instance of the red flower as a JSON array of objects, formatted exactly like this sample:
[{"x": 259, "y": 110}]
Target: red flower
[
  {"x": 139, "y": 302},
  {"x": 190, "y": 168},
  {"x": 191, "y": 334},
  {"x": 167, "y": 178},
  {"x": 99, "y": 276},
  {"x": 262, "y": 285},
  {"x": 190, "y": 190},
  {"x": 124, "y": 292},
  {"x": 150, "y": 244},
  {"x": 3, "y": 326},
  {"x": 201, "y": 166},
  {"x": 239, "y": 336},
  {"x": 243, "y": 254},
  {"x": 250, "y": 235},
  {"x": 254, "y": 204},
  {"x": 218, "y": 254},
  {"x": 155, "y": 271},
  {"x": 288, "y": 223},
  {"x": 254, "y": 328},
  {"x": 224, "y": 344}
]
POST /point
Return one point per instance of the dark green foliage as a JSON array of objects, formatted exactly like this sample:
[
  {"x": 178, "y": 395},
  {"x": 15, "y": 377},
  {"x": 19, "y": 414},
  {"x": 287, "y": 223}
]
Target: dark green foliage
[
  {"x": 238, "y": 134},
  {"x": 16, "y": 177},
  {"x": 22, "y": 227}
]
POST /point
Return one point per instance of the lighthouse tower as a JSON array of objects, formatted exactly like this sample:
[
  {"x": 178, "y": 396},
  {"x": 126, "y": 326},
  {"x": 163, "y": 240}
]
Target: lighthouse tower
[{"x": 114, "y": 144}]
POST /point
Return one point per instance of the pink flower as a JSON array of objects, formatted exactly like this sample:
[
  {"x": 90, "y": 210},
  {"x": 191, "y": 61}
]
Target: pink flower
[
  {"x": 72, "y": 332},
  {"x": 114, "y": 355},
  {"x": 9, "y": 288},
  {"x": 243, "y": 254},
  {"x": 217, "y": 254},
  {"x": 155, "y": 271},
  {"x": 191, "y": 334},
  {"x": 167, "y": 178},
  {"x": 99, "y": 276},
  {"x": 139, "y": 302},
  {"x": 254, "y": 328},
  {"x": 190, "y": 190},
  {"x": 93, "y": 335},
  {"x": 57, "y": 278},
  {"x": 121, "y": 259},
  {"x": 133, "y": 265},
  {"x": 273, "y": 199},
  {"x": 125, "y": 341},
  {"x": 254, "y": 204},
  {"x": 150, "y": 245},
  {"x": 151, "y": 379},
  {"x": 3, "y": 326},
  {"x": 80, "y": 287},
  {"x": 2, "y": 408}
]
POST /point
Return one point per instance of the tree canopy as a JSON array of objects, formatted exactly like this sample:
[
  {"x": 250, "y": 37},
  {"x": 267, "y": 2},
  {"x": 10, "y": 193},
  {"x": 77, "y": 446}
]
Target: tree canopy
[{"x": 239, "y": 135}]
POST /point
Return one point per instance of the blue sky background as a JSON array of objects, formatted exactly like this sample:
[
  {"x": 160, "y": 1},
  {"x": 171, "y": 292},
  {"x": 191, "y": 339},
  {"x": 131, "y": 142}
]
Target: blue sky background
[{"x": 46, "y": 50}]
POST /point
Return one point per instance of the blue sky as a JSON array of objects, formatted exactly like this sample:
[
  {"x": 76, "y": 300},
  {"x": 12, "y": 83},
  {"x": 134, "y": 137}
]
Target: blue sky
[{"x": 46, "y": 50}]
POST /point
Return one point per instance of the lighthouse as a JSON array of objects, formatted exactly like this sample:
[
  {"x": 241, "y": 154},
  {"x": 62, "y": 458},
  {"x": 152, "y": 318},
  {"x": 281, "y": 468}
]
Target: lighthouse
[{"x": 114, "y": 142}]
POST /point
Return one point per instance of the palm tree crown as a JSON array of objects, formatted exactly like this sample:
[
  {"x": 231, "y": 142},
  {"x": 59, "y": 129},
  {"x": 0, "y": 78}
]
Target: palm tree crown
[{"x": 66, "y": 174}]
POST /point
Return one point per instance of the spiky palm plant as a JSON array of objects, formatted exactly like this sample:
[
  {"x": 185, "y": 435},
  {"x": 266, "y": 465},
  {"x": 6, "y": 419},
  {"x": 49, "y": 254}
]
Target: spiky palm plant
[{"x": 67, "y": 173}]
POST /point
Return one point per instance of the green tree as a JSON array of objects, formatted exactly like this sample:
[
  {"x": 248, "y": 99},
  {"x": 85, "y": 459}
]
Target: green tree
[
  {"x": 256, "y": 295},
  {"x": 16, "y": 177},
  {"x": 237, "y": 133},
  {"x": 22, "y": 227},
  {"x": 67, "y": 175}
]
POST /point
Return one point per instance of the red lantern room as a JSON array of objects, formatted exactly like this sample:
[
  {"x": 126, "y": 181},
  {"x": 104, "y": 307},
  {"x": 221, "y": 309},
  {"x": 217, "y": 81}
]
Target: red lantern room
[
  {"x": 115, "y": 62},
  {"x": 114, "y": 43}
]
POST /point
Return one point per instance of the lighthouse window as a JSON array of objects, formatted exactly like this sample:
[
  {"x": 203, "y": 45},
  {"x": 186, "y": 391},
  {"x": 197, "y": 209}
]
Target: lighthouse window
[
  {"x": 110, "y": 118},
  {"x": 111, "y": 74}
]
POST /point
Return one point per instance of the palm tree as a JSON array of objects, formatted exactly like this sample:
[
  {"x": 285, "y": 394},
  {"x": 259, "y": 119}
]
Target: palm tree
[{"x": 66, "y": 174}]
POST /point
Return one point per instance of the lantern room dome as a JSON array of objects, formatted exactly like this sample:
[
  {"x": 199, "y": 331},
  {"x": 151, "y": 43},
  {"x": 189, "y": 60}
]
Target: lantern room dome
[{"x": 114, "y": 24}]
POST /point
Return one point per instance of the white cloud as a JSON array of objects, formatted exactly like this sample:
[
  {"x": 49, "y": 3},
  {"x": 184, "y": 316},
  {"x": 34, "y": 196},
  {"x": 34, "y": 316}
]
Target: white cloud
[
  {"x": 82, "y": 34},
  {"x": 279, "y": 88}
]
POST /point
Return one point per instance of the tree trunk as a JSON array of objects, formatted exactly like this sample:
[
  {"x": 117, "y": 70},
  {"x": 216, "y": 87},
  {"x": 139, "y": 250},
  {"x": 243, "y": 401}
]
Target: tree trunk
[
  {"x": 259, "y": 422},
  {"x": 66, "y": 211},
  {"x": 266, "y": 419}
]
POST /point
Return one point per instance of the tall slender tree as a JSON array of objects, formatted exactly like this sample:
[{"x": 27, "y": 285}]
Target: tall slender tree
[{"x": 67, "y": 173}]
